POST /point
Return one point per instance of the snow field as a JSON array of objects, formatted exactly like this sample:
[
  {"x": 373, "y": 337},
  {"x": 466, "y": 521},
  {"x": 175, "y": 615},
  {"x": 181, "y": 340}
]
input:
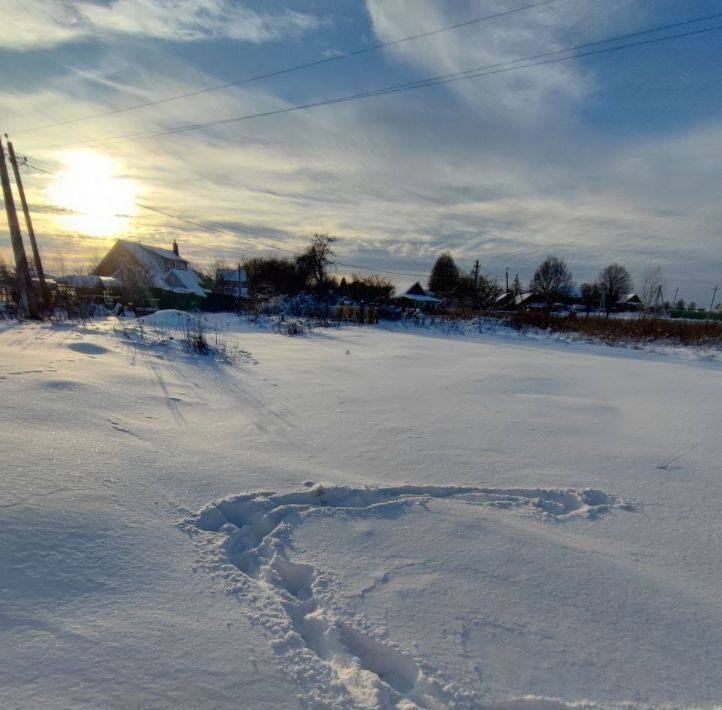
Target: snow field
[{"x": 501, "y": 522}]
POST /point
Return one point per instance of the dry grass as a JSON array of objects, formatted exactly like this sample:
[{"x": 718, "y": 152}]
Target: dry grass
[{"x": 632, "y": 330}]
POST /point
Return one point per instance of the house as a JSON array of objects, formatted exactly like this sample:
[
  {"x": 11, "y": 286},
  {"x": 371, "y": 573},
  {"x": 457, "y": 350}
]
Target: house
[
  {"x": 162, "y": 271},
  {"x": 232, "y": 282},
  {"x": 629, "y": 302},
  {"x": 504, "y": 301},
  {"x": 417, "y": 297},
  {"x": 98, "y": 289},
  {"x": 519, "y": 302}
]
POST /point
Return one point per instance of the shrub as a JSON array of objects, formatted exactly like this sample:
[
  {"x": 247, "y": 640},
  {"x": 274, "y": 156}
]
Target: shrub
[{"x": 613, "y": 330}]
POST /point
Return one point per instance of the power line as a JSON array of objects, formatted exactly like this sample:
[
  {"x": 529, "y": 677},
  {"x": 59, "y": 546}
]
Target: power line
[
  {"x": 288, "y": 70},
  {"x": 226, "y": 229},
  {"x": 234, "y": 231},
  {"x": 534, "y": 60}
]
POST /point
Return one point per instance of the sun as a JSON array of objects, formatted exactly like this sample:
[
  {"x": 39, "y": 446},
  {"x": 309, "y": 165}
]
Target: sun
[{"x": 98, "y": 203}]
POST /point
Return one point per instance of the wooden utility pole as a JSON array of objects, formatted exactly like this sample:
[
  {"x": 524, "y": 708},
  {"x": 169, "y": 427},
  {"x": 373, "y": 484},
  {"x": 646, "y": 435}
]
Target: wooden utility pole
[
  {"x": 29, "y": 224},
  {"x": 25, "y": 283},
  {"x": 475, "y": 271}
]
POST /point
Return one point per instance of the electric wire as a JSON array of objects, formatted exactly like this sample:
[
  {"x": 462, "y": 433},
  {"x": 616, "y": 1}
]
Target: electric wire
[
  {"x": 288, "y": 70},
  {"x": 234, "y": 231},
  {"x": 542, "y": 58}
]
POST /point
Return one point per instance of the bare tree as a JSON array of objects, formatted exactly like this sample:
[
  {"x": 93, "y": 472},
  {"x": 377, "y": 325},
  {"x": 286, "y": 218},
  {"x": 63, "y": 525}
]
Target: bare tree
[
  {"x": 652, "y": 287},
  {"x": 57, "y": 266},
  {"x": 317, "y": 259},
  {"x": 614, "y": 280},
  {"x": 136, "y": 280},
  {"x": 591, "y": 295},
  {"x": 552, "y": 280}
]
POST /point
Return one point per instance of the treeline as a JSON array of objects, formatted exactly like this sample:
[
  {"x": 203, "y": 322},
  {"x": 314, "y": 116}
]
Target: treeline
[
  {"x": 309, "y": 272},
  {"x": 552, "y": 284},
  {"x": 471, "y": 289}
]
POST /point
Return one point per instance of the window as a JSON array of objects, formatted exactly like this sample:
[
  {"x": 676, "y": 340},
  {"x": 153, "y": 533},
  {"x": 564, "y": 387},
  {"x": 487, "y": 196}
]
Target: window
[{"x": 169, "y": 264}]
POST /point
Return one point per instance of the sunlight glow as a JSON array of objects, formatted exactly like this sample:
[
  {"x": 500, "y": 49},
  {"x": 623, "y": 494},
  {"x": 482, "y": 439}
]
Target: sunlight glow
[{"x": 99, "y": 203}]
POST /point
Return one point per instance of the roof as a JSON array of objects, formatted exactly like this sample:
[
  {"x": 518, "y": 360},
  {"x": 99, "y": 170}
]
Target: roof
[
  {"x": 417, "y": 293},
  {"x": 90, "y": 281},
  {"x": 183, "y": 282},
  {"x": 415, "y": 288},
  {"x": 523, "y": 297},
  {"x": 420, "y": 299},
  {"x": 164, "y": 253}
]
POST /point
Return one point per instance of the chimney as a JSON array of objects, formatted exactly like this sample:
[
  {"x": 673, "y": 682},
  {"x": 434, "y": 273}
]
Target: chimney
[{"x": 175, "y": 247}]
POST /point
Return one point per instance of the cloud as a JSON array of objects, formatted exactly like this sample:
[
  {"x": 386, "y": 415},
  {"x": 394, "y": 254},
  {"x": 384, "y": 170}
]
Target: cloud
[
  {"x": 479, "y": 45},
  {"x": 47, "y": 23},
  {"x": 398, "y": 179}
]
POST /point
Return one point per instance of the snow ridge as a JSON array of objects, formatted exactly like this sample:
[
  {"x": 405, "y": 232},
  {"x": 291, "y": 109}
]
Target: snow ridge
[{"x": 337, "y": 660}]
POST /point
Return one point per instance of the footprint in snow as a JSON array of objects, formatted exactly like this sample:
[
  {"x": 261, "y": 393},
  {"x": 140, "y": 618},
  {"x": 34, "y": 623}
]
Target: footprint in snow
[{"x": 249, "y": 533}]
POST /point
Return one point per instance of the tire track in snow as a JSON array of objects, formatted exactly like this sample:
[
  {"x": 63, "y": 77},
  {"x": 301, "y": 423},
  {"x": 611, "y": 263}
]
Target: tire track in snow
[{"x": 337, "y": 661}]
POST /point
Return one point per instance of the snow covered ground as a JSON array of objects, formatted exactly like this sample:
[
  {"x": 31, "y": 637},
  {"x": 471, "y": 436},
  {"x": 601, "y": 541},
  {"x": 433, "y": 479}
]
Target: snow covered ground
[{"x": 357, "y": 518}]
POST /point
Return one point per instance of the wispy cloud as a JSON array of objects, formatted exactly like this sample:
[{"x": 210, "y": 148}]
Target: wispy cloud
[
  {"x": 398, "y": 179},
  {"x": 46, "y": 23}
]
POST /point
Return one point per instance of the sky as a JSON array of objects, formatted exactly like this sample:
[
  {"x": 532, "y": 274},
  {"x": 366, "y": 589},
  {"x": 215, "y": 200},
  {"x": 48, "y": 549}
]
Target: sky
[{"x": 613, "y": 157}]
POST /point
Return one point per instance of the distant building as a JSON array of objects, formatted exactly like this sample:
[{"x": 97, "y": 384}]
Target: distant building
[
  {"x": 162, "y": 269},
  {"x": 99, "y": 289},
  {"x": 519, "y": 302},
  {"x": 417, "y": 296},
  {"x": 504, "y": 301},
  {"x": 232, "y": 282},
  {"x": 629, "y": 302}
]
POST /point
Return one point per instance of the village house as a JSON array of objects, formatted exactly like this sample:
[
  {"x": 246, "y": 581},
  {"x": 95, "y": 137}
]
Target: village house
[
  {"x": 509, "y": 301},
  {"x": 417, "y": 297},
  {"x": 90, "y": 287},
  {"x": 163, "y": 273}
]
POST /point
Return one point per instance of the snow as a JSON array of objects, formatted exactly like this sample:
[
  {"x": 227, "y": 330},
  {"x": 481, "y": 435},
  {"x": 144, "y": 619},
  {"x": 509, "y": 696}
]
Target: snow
[
  {"x": 362, "y": 518},
  {"x": 171, "y": 320},
  {"x": 188, "y": 279}
]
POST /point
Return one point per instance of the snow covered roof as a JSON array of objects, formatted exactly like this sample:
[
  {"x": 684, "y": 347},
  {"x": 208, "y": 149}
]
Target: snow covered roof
[
  {"x": 417, "y": 293},
  {"x": 141, "y": 251},
  {"x": 183, "y": 282},
  {"x": 420, "y": 299},
  {"x": 90, "y": 281},
  {"x": 523, "y": 297}
]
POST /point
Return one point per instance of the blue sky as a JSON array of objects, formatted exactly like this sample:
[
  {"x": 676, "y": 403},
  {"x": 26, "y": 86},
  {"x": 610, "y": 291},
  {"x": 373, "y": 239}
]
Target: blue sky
[{"x": 607, "y": 158}]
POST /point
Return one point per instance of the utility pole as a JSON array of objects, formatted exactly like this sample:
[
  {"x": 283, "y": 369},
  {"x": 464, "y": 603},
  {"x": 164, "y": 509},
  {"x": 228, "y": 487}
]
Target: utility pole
[
  {"x": 674, "y": 300},
  {"x": 658, "y": 299},
  {"x": 714, "y": 295},
  {"x": 475, "y": 271},
  {"x": 25, "y": 283},
  {"x": 507, "y": 279},
  {"x": 29, "y": 224}
]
